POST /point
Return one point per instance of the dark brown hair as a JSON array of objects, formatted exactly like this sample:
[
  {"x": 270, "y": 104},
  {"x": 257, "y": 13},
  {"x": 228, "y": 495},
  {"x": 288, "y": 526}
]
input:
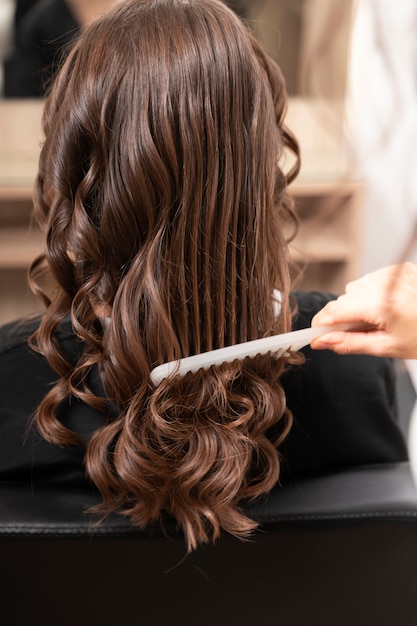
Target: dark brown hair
[{"x": 160, "y": 191}]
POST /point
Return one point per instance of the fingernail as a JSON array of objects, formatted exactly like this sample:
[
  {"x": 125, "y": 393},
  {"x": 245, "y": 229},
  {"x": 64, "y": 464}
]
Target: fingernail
[{"x": 319, "y": 345}]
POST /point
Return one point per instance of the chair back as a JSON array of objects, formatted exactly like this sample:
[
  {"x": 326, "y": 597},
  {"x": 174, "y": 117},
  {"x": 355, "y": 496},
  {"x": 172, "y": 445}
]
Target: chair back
[{"x": 336, "y": 550}]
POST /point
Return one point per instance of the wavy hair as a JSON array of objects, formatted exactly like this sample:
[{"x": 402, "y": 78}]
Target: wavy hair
[{"x": 162, "y": 199}]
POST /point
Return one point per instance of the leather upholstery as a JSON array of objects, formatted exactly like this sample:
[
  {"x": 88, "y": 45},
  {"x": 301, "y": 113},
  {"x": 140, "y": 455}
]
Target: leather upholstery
[{"x": 333, "y": 550}]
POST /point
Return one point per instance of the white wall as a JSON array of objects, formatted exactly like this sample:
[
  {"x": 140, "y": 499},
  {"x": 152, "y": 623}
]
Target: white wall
[{"x": 382, "y": 99}]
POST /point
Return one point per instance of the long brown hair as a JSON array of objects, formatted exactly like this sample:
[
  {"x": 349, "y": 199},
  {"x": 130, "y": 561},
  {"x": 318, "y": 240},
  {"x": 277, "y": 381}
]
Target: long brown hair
[{"x": 160, "y": 191}]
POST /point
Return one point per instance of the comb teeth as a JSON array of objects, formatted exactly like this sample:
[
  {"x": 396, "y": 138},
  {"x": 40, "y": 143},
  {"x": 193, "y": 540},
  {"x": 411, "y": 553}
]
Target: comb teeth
[{"x": 277, "y": 345}]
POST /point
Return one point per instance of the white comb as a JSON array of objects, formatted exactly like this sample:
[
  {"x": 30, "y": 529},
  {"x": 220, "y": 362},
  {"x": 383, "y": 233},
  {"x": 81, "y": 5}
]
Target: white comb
[{"x": 277, "y": 345}]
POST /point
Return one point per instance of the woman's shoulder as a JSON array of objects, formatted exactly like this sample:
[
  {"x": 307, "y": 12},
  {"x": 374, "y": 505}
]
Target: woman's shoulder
[
  {"x": 308, "y": 303},
  {"x": 16, "y": 334},
  {"x": 344, "y": 406}
]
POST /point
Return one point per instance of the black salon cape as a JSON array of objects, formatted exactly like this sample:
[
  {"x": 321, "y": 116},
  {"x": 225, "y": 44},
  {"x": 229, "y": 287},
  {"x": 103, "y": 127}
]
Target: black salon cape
[{"x": 344, "y": 410}]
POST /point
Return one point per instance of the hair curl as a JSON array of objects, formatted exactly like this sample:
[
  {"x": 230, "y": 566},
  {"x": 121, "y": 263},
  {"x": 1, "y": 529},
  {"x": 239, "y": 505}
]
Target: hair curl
[{"x": 161, "y": 195}]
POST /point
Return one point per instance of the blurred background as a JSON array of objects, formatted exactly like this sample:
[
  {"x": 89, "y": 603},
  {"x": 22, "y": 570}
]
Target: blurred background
[{"x": 351, "y": 74}]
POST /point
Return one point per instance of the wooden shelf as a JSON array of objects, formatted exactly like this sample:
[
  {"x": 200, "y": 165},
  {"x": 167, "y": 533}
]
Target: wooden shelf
[
  {"x": 329, "y": 235},
  {"x": 18, "y": 247},
  {"x": 328, "y": 252},
  {"x": 328, "y": 195}
]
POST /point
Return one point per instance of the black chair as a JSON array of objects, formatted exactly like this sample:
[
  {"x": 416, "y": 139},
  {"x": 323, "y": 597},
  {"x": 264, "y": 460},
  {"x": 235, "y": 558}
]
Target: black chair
[{"x": 337, "y": 550}]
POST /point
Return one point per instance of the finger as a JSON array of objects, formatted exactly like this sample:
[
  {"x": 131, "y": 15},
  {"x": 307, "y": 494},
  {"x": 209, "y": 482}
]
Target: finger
[
  {"x": 356, "y": 308},
  {"x": 376, "y": 343}
]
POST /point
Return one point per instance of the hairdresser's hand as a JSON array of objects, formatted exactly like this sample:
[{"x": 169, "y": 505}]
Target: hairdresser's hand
[{"x": 385, "y": 299}]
